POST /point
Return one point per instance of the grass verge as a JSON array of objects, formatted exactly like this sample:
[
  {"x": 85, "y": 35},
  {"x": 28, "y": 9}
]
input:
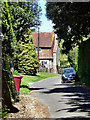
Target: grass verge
[{"x": 25, "y": 88}]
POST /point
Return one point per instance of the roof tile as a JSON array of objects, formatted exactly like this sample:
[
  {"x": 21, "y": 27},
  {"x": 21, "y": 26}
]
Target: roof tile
[{"x": 45, "y": 39}]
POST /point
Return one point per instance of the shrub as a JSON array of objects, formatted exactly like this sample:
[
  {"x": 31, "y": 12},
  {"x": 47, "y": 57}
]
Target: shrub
[
  {"x": 28, "y": 62},
  {"x": 16, "y": 72}
]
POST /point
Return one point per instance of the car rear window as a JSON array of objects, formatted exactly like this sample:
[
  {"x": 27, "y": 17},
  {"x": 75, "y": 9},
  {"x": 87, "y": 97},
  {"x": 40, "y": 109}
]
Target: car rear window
[{"x": 68, "y": 71}]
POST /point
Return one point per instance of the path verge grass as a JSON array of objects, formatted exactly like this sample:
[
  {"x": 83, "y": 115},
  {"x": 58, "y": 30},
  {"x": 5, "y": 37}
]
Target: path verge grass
[{"x": 25, "y": 88}]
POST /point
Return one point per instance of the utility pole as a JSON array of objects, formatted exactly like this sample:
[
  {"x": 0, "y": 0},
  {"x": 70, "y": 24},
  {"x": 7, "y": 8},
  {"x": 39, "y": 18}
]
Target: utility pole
[{"x": 38, "y": 46}]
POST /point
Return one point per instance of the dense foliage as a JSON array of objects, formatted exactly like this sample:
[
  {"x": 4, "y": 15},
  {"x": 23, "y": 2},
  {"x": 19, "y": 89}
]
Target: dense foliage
[
  {"x": 24, "y": 15},
  {"x": 28, "y": 62},
  {"x": 84, "y": 64},
  {"x": 16, "y": 19},
  {"x": 63, "y": 57},
  {"x": 8, "y": 92},
  {"x": 71, "y": 21},
  {"x": 8, "y": 36},
  {"x": 73, "y": 58},
  {"x": 69, "y": 60}
]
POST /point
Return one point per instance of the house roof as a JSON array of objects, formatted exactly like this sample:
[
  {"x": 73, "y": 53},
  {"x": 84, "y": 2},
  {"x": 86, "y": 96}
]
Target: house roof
[{"x": 45, "y": 39}]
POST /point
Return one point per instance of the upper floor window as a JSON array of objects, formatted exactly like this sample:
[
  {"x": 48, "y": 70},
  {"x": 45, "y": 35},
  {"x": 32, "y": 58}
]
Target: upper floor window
[{"x": 37, "y": 49}]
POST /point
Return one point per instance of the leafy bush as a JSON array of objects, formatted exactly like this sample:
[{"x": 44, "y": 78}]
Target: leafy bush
[
  {"x": 28, "y": 62},
  {"x": 9, "y": 91},
  {"x": 73, "y": 57},
  {"x": 84, "y": 62},
  {"x": 16, "y": 72}
]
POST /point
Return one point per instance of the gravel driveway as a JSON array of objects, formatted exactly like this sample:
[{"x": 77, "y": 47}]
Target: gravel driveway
[{"x": 29, "y": 107}]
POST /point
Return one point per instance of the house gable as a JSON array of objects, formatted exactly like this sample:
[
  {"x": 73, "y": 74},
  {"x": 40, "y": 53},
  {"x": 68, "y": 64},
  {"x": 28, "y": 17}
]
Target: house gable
[
  {"x": 45, "y": 39},
  {"x": 46, "y": 43}
]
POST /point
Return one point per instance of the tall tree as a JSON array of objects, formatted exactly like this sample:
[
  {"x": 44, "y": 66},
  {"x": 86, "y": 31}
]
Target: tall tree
[
  {"x": 24, "y": 15},
  {"x": 71, "y": 21},
  {"x": 28, "y": 61},
  {"x": 8, "y": 36},
  {"x": 8, "y": 86}
]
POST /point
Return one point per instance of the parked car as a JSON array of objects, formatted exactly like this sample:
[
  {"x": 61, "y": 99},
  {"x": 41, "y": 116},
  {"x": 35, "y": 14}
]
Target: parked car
[{"x": 68, "y": 74}]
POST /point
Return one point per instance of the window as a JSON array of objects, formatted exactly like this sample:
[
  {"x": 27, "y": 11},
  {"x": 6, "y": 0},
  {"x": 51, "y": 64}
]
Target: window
[
  {"x": 37, "y": 49},
  {"x": 43, "y": 62},
  {"x": 69, "y": 70}
]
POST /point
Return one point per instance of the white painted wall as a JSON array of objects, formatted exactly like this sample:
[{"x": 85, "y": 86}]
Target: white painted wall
[
  {"x": 56, "y": 56},
  {"x": 54, "y": 63},
  {"x": 49, "y": 64}
]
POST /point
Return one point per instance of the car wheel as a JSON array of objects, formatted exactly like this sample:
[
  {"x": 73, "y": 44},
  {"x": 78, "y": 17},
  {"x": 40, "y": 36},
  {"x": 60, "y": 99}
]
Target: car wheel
[{"x": 63, "y": 81}]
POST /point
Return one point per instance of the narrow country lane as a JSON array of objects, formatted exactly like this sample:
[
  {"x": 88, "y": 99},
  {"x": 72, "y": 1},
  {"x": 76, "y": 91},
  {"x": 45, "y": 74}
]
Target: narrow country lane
[{"x": 64, "y": 100}]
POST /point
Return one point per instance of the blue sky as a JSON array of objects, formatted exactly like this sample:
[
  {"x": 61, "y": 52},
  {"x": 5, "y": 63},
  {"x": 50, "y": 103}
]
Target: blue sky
[{"x": 46, "y": 25}]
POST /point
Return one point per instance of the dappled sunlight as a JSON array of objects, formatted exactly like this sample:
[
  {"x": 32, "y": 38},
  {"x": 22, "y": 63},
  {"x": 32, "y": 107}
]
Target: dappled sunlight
[{"x": 75, "y": 99}]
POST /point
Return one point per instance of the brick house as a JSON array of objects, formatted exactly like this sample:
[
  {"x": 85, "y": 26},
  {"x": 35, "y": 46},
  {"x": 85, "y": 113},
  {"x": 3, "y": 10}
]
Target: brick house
[{"x": 49, "y": 53}]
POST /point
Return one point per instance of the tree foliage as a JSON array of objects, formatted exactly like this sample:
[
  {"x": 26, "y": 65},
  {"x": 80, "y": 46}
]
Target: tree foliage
[
  {"x": 24, "y": 15},
  {"x": 8, "y": 36},
  {"x": 63, "y": 57},
  {"x": 8, "y": 92},
  {"x": 84, "y": 62},
  {"x": 71, "y": 21},
  {"x": 69, "y": 60},
  {"x": 16, "y": 18},
  {"x": 28, "y": 62},
  {"x": 73, "y": 57}
]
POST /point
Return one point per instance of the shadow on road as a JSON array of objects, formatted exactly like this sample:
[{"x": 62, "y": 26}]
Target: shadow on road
[
  {"x": 77, "y": 97},
  {"x": 24, "y": 86},
  {"x": 73, "y": 118}
]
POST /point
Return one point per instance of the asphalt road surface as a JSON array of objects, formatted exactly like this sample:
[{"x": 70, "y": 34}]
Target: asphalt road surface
[{"x": 64, "y": 100}]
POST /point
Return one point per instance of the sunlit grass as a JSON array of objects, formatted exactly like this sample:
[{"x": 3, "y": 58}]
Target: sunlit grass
[{"x": 25, "y": 88}]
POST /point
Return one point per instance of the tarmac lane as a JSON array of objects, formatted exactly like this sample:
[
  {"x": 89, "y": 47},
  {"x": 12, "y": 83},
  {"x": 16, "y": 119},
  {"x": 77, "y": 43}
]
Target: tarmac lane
[{"x": 64, "y": 100}]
